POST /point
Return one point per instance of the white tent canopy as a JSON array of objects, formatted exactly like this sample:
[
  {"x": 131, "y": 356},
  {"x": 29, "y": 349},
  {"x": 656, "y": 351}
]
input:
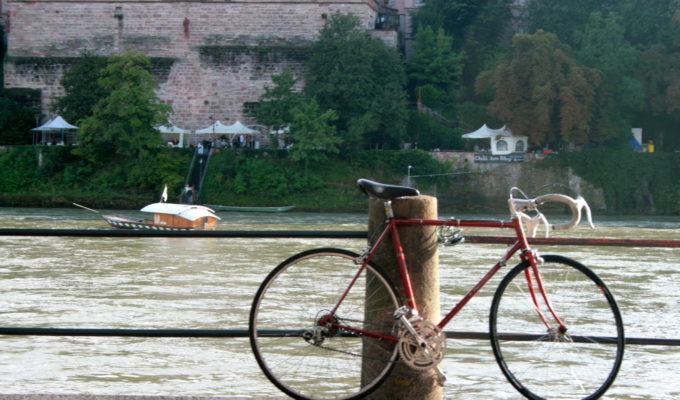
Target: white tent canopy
[
  {"x": 502, "y": 140},
  {"x": 237, "y": 128},
  {"x": 216, "y": 128},
  {"x": 55, "y": 124},
  {"x": 485, "y": 132},
  {"x": 172, "y": 129},
  {"x": 236, "y": 131}
]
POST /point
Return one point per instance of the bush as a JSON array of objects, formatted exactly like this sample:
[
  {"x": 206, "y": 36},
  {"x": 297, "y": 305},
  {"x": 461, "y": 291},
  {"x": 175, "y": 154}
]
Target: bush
[
  {"x": 16, "y": 122},
  {"x": 426, "y": 133},
  {"x": 633, "y": 183}
]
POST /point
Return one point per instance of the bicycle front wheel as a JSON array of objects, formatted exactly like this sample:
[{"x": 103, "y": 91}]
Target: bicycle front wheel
[
  {"x": 313, "y": 343},
  {"x": 545, "y": 362}
]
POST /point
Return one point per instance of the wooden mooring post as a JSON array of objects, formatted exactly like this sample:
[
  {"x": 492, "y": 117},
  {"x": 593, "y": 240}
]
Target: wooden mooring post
[{"x": 420, "y": 247}]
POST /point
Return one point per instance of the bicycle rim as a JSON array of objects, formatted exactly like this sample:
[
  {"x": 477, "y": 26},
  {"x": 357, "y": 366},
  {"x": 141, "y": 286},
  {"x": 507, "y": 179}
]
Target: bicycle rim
[
  {"x": 579, "y": 364},
  {"x": 338, "y": 363}
]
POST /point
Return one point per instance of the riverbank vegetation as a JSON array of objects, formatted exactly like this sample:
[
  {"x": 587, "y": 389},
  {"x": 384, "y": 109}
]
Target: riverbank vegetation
[{"x": 55, "y": 176}]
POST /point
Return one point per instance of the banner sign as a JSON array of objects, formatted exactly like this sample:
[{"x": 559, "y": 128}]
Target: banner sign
[{"x": 490, "y": 158}]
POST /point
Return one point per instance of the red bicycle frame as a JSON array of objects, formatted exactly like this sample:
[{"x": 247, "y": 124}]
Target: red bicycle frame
[{"x": 521, "y": 245}]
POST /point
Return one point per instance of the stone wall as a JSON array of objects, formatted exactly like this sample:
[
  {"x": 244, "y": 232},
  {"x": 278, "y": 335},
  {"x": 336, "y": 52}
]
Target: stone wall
[
  {"x": 486, "y": 187},
  {"x": 222, "y": 53}
]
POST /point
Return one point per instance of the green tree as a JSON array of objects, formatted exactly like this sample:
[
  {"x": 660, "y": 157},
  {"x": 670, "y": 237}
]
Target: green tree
[
  {"x": 478, "y": 27},
  {"x": 435, "y": 64},
  {"x": 542, "y": 91},
  {"x": 659, "y": 72},
  {"x": 363, "y": 79},
  {"x": 427, "y": 133},
  {"x": 603, "y": 34},
  {"x": 649, "y": 23},
  {"x": 81, "y": 84},
  {"x": 276, "y": 104},
  {"x": 312, "y": 134},
  {"x": 602, "y": 45},
  {"x": 564, "y": 18},
  {"x": 486, "y": 39},
  {"x": 654, "y": 27},
  {"x": 123, "y": 123},
  {"x": 480, "y": 31},
  {"x": 456, "y": 17}
]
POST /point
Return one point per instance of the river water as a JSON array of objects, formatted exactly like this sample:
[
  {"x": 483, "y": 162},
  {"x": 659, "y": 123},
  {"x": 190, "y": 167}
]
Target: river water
[{"x": 164, "y": 283}]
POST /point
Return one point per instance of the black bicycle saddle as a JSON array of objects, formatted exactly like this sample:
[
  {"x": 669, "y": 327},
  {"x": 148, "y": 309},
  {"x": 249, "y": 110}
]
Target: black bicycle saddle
[{"x": 383, "y": 191}]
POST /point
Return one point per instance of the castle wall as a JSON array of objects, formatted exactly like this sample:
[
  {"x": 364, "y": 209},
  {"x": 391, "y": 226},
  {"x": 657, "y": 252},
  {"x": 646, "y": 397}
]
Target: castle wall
[{"x": 222, "y": 53}]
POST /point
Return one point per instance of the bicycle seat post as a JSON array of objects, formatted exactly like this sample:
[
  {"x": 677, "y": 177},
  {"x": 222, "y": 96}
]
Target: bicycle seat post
[{"x": 389, "y": 212}]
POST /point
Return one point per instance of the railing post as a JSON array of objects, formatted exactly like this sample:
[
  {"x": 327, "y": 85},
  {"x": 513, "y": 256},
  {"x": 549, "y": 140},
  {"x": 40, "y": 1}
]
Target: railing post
[{"x": 420, "y": 247}]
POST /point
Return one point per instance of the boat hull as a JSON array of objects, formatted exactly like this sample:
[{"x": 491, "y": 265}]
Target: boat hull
[{"x": 122, "y": 222}]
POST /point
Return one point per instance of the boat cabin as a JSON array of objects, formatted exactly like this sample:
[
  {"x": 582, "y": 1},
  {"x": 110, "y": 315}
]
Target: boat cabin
[{"x": 182, "y": 216}]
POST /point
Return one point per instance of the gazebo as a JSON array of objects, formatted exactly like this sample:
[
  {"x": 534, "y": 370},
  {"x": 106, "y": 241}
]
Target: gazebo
[
  {"x": 502, "y": 140},
  {"x": 54, "y": 131}
]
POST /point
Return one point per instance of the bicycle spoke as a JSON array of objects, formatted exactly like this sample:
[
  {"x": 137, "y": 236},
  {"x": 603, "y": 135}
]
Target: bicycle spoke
[
  {"x": 332, "y": 355},
  {"x": 580, "y": 363}
]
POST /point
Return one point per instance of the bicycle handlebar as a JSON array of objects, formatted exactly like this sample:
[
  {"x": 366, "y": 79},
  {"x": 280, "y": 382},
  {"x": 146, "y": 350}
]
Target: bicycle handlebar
[{"x": 520, "y": 207}]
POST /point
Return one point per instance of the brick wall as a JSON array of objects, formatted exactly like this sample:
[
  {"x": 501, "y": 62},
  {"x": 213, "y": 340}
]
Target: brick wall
[{"x": 224, "y": 52}]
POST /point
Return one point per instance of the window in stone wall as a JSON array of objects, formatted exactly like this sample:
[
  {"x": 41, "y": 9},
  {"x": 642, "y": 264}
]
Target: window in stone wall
[{"x": 250, "y": 107}]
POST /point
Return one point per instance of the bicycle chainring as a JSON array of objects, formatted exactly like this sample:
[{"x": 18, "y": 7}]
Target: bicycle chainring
[{"x": 417, "y": 356}]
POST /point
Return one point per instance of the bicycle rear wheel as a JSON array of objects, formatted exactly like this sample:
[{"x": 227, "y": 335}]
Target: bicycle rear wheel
[
  {"x": 580, "y": 363},
  {"x": 307, "y": 350}
]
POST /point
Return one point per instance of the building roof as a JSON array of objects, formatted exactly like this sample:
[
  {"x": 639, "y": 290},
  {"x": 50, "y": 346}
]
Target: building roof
[{"x": 485, "y": 132}]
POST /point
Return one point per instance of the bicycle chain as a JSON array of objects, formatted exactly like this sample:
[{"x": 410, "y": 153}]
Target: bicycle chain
[
  {"x": 335, "y": 350},
  {"x": 338, "y": 350}
]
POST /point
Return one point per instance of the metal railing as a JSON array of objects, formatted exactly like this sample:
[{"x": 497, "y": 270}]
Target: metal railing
[{"x": 303, "y": 234}]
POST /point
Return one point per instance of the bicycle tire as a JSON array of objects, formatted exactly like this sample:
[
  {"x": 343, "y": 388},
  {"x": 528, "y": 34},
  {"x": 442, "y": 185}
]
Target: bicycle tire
[
  {"x": 292, "y": 300},
  {"x": 579, "y": 364}
]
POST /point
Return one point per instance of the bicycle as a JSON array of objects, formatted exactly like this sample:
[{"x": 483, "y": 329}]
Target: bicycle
[{"x": 555, "y": 328}]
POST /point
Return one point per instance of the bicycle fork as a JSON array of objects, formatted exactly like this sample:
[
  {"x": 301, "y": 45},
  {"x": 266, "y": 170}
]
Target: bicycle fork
[{"x": 533, "y": 274}]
